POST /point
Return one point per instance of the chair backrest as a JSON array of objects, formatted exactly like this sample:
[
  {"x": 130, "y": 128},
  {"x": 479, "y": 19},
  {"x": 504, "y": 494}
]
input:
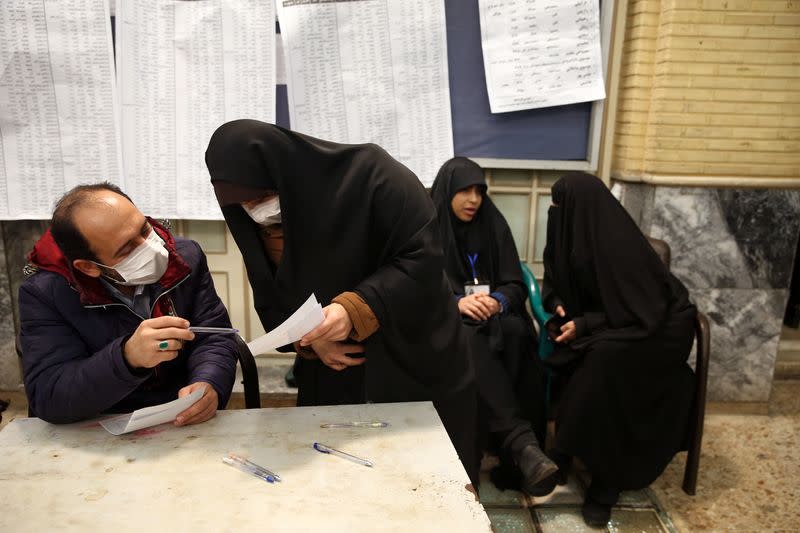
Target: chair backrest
[
  {"x": 252, "y": 394},
  {"x": 537, "y": 309}
]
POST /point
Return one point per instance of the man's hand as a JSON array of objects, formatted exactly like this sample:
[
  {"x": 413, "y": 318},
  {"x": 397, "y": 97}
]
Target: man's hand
[
  {"x": 146, "y": 348},
  {"x": 336, "y": 326},
  {"x": 203, "y": 409},
  {"x": 333, "y": 354},
  {"x": 474, "y": 307}
]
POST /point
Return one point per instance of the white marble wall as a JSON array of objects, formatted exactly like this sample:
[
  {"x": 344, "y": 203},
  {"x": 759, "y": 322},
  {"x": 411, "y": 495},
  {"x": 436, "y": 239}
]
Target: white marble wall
[
  {"x": 9, "y": 367},
  {"x": 16, "y": 240},
  {"x": 734, "y": 250}
]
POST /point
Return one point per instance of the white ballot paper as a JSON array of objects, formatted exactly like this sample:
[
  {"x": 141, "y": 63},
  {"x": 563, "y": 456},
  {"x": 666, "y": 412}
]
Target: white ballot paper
[
  {"x": 151, "y": 416},
  {"x": 307, "y": 317}
]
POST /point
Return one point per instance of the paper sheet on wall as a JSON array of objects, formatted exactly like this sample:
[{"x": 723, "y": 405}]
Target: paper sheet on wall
[
  {"x": 307, "y": 317},
  {"x": 184, "y": 69},
  {"x": 57, "y": 103},
  {"x": 151, "y": 416},
  {"x": 371, "y": 71},
  {"x": 541, "y": 53}
]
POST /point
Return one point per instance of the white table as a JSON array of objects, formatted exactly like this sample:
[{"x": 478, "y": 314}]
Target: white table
[{"x": 166, "y": 478}]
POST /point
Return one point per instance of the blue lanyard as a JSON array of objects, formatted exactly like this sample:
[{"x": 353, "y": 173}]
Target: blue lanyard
[{"x": 473, "y": 259}]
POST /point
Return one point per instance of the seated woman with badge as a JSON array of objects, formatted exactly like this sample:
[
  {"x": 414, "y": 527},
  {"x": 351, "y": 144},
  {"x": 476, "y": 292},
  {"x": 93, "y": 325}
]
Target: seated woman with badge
[{"x": 482, "y": 265}]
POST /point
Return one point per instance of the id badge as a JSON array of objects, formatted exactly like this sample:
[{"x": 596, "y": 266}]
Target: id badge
[{"x": 476, "y": 289}]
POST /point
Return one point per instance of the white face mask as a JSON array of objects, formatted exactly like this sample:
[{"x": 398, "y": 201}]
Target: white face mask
[
  {"x": 145, "y": 264},
  {"x": 265, "y": 213}
]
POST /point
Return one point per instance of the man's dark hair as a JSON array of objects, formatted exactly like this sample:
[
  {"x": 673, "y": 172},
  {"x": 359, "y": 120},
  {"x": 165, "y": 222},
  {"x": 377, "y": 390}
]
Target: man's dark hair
[{"x": 62, "y": 226}]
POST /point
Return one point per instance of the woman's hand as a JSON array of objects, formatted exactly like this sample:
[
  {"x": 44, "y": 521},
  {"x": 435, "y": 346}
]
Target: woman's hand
[
  {"x": 491, "y": 303},
  {"x": 568, "y": 330},
  {"x": 333, "y": 354},
  {"x": 337, "y": 326},
  {"x": 474, "y": 307}
]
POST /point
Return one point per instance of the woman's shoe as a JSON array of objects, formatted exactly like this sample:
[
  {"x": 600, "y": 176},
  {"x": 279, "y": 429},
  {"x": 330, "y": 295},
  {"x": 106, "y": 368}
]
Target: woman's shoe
[
  {"x": 564, "y": 464},
  {"x": 595, "y": 514},
  {"x": 597, "y": 505},
  {"x": 538, "y": 471}
]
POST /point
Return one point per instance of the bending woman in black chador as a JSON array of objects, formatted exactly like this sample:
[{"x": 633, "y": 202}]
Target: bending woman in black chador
[{"x": 354, "y": 226}]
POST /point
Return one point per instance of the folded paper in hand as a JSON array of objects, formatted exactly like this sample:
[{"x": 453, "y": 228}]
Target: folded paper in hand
[
  {"x": 307, "y": 317},
  {"x": 151, "y": 416}
]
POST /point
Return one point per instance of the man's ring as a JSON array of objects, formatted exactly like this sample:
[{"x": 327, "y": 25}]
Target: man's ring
[{"x": 163, "y": 345}]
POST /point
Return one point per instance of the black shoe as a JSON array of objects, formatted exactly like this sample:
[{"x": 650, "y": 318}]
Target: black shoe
[
  {"x": 543, "y": 487},
  {"x": 564, "y": 464},
  {"x": 595, "y": 514},
  {"x": 538, "y": 471}
]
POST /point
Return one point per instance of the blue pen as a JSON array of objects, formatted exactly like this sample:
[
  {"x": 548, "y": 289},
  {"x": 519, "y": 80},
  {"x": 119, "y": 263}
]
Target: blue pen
[
  {"x": 248, "y": 469},
  {"x": 246, "y": 462}
]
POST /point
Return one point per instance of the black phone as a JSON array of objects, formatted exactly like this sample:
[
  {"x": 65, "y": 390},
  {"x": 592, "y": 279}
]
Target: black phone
[{"x": 553, "y": 325}]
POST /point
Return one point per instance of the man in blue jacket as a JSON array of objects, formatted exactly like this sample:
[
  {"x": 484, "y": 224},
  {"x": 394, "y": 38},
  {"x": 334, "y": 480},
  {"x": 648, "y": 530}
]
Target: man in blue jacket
[{"x": 105, "y": 315}]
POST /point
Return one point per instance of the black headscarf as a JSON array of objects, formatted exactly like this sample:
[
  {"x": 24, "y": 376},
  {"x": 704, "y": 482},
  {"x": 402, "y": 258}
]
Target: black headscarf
[
  {"x": 598, "y": 261},
  {"x": 353, "y": 219},
  {"x": 487, "y": 234}
]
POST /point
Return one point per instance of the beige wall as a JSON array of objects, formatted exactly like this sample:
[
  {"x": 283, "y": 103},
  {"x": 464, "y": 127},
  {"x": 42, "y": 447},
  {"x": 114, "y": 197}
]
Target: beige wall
[{"x": 710, "y": 89}]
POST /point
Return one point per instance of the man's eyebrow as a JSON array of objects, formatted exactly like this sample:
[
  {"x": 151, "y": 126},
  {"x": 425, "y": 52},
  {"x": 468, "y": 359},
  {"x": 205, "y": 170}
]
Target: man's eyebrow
[{"x": 141, "y": 232}]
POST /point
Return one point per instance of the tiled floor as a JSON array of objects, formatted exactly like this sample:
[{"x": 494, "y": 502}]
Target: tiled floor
[
  {"x": 560, "y": 511},
  {"x": 749, "y": 479}
]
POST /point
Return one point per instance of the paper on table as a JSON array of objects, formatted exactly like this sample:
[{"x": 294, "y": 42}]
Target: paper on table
[
  {"x": 307, "y": 317},
  {"x": 151, "y": 416}
]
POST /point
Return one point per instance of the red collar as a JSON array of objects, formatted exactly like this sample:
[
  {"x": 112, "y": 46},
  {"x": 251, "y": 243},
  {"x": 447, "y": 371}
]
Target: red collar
[{"x": 46, "y": 255}]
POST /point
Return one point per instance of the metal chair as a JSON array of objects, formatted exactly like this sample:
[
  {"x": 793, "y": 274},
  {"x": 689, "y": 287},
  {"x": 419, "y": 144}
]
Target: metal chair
[{"x": 697, "y": 414}]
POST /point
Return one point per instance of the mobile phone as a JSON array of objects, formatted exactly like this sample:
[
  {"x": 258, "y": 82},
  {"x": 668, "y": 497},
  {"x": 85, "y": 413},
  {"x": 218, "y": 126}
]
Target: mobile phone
[{"x": 553, "y": 325}]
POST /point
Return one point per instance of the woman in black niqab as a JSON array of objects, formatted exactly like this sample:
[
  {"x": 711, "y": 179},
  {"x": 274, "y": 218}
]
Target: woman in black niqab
[
  {"x": 354, "y": 220},
  {"x": 478, "y": 245},
  {"x": 624, "y": 389}
]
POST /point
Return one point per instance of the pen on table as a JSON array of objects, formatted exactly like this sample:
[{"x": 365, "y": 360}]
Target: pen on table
[
  {"x": 327, "y": 449},
  {"x": 204, "y": 329},
  {"x": 248, "y": 469},
  {"x": 241, "y": 460},
  {"x": 355, "y": 425}
]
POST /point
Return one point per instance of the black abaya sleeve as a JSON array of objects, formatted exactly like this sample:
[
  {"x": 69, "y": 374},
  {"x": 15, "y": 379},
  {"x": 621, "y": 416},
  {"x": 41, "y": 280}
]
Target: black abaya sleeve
[
  {"x": 550, "y": 300},
  {"x": 590, "y": 323},
  {"x": 509, "y": 281},
  {"x": 412, "y": 268},
  {"x": 409, "y": 292}
]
